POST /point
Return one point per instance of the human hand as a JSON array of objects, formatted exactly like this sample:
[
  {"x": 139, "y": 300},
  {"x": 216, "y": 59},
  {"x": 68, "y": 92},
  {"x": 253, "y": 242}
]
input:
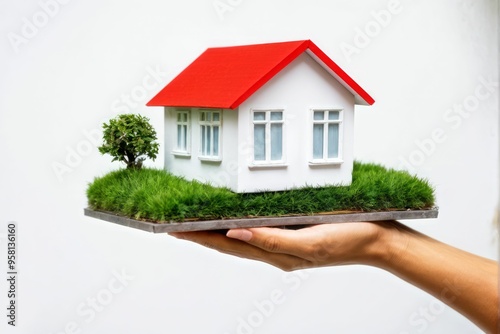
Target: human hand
[
  {"x": 455, "y": 276},
  {"x": 314, "y": 246}
]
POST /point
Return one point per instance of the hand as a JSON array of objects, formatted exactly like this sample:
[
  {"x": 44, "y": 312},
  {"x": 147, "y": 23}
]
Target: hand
[
  {"x": 466, "y": 282},
  {"x": 315, "y": 246}
]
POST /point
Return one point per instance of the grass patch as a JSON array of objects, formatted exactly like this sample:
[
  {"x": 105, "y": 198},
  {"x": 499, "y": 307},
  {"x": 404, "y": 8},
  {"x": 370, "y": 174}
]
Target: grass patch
[{"x": 156, "y": 195}]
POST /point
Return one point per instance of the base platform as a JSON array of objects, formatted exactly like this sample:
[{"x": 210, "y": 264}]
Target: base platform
[{"x": 282, "y": 221}]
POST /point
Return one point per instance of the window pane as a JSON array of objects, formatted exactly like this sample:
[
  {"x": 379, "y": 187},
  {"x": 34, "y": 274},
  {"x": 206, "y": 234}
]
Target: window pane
[
  {"x": 259, "y": 141},
  {"x": 203, "y": 141},
  {"x": 202, "y": 116},
  {"x": 184, "y": 137},
  {"x": 209, "y": 116},
  {"x": 319, "y": 115},
  {"x": 179, "y": 136},
  {"x": 209, "y": 141},
  {"x": 276, "y": 141},
  {"x": 333, "y": 115},
  {"x": 179, "y": 115},
  {"x": 184, "y": 117},
  {"x": 333, "y": 141},
  {"x": 259, "y": 116},
  {"x": 216, "y": 140},
  {"x": 216, "y": 116},
  {"x": 276, "y": 115},
  {"x": 318, "y": 141}
]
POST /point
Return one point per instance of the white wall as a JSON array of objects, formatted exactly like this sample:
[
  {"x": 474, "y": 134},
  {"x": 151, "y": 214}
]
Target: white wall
[
  {"x": 220, "y": 173},
  {"x": 92, "y": 59},
  {"x": 302, "y": 86}
]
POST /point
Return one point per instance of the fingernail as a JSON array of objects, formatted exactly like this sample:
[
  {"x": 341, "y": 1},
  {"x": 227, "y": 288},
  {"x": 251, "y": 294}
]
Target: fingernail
[{"x": 240, "y": 234}]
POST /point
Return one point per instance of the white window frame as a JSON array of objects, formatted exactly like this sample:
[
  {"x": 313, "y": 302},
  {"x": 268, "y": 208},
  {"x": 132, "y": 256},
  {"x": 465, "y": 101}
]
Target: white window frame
[
  {"x": 210, "y": 124},
  {"x": 182, "y": 151},
  {"x": 268, "y": 163},
  {"x": 325, "y": 122}
]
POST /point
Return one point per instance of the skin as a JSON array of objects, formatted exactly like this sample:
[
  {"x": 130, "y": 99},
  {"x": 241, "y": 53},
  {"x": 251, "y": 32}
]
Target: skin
[{"x": 464, "y": 281}]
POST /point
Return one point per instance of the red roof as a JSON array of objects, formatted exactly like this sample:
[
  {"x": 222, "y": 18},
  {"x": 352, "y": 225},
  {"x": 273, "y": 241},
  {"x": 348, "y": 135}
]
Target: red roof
[{"x": 225, "y": 77}]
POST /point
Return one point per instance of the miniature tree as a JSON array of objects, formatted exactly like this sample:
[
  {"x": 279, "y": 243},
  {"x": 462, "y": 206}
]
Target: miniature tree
[{"x": 129, "y": 138}]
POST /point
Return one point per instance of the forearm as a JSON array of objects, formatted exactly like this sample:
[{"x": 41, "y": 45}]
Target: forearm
[{"x": 465, "y": 282}]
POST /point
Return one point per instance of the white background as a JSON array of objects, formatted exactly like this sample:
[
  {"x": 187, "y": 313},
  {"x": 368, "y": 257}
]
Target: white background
[{"x": 75, "y": 71}]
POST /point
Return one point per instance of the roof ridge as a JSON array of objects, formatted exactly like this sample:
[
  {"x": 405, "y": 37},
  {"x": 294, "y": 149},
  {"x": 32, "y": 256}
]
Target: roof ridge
[
  {"x": 224, "y": 77},
  {"x": 275, "y": 70}
]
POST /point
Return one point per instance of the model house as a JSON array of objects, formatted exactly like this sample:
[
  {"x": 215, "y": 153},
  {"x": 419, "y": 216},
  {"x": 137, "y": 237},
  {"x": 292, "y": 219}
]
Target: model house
[{"x": 262, "y": 117}]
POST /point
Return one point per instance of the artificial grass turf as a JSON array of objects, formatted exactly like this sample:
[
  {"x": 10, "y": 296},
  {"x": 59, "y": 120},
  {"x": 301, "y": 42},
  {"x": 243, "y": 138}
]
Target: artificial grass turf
[{"x": 156, "y": 195}]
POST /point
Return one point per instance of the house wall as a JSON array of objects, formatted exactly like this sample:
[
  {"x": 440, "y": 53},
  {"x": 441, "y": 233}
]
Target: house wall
[
  {"x": 300, "y": 87},
  {"x": 223, "y": 173}
]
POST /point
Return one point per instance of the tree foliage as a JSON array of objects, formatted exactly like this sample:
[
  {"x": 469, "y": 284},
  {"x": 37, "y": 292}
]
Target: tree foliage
[{"x": 129, "y": 138}]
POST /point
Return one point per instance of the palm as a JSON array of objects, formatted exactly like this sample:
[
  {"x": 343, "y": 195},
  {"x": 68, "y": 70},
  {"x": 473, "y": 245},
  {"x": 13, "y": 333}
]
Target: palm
[{"x": 319, "y": 245}]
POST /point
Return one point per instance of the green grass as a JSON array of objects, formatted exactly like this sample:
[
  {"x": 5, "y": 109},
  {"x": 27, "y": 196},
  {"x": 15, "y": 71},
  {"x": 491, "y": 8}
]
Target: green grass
[{"x": 156, "y": 195}]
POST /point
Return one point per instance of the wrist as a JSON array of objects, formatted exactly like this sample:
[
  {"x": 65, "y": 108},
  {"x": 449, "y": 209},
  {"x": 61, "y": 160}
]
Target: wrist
[{"x": 390, "y": 245}]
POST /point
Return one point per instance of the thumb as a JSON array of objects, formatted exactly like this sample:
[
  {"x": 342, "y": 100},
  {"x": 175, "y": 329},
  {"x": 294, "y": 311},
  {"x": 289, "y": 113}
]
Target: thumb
[
  {"x": 240, "y": 234},
  {"x": 274, "y": 240}
]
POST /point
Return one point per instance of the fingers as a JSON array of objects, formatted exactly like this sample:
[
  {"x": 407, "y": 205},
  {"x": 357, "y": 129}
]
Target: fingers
[
  {"x": 240, "y": 234},
  {"x": 276, "y": 240},
  {"x": 314, "y": 246},
  {"x": 243, "y": 249},
  {"x": 214, "y": 241}
]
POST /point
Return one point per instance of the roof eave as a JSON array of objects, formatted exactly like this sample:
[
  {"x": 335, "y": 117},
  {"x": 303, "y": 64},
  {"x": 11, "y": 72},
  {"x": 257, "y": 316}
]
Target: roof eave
[{"x": 361, "y": 97}]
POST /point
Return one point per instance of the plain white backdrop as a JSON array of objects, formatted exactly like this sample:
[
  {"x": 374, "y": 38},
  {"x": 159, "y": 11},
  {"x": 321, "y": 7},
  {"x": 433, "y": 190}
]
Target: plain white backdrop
[{"x": 67, "y": 66}]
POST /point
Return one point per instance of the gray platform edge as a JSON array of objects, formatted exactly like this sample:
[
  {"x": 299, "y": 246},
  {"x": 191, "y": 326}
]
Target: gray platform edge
[{"x": 258, "y": 222}]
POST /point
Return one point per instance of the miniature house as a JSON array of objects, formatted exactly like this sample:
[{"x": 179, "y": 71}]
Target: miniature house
[{"x": 262, "y": 117}]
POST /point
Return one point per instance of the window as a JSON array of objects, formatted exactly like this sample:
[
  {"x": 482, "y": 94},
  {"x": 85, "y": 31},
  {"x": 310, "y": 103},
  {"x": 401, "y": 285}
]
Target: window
[
  {"x": 183, "y": 133},
  {"x": 327, "y": 128},
  {"x": 210, "y": 134},
  {"x": 268, "y": 136}
]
